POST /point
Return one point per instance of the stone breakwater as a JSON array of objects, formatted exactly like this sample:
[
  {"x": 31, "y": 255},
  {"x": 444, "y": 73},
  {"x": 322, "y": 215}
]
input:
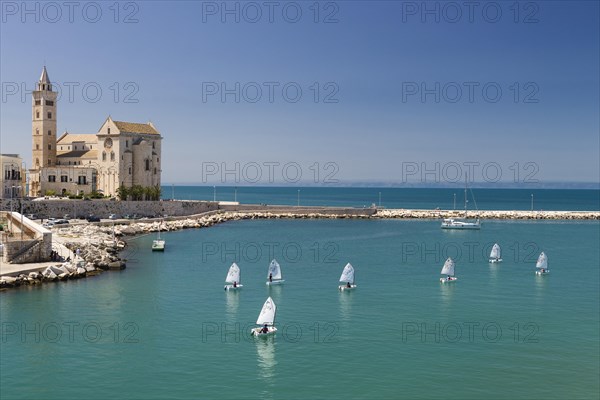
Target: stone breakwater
[
  {"x": 495, "y": 214},
  {"x": 96, "y": 234}
]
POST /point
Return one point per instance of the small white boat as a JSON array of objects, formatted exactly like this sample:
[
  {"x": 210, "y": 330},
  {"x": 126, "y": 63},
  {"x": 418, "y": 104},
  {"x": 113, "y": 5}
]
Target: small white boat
[
  {"x": 462, "y": 223},
  {"x": 448, "y": 270},
  {"x": 496, "y": 254},
  {"x": 542, "y": 264},
  {"x": 158, "y": 244},
  {"x": 347, "y": 278},
  {"x": 233, "y": 278},
  {"x": 274, "y": 274},
  {"x": 266, "y": 318},
  {"x": 459, "y": 223}
]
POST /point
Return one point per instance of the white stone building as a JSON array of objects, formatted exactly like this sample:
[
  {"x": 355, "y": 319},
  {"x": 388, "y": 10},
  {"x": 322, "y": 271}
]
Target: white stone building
[
  {"x": 121, "y": 153},
  {"x": 12, "y": 180}
]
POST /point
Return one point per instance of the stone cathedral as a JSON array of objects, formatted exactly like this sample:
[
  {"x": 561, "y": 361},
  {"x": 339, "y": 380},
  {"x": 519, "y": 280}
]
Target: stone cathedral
[{"x": 120, "y": 154}]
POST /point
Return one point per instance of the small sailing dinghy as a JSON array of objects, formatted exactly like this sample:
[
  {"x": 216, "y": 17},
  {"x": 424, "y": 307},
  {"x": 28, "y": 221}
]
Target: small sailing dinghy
[
  {"x": 233, "y": 278},
  {"x": 266, "y": 318},
  {"x": 347, "y": 278},
  {"x": 542, "y": 264},
  {"x": 158, "y": 244},
  {"x": 274, "y": 274},
  {"x": 496, "y": 254},
  {"x": 448, "y": 270}
]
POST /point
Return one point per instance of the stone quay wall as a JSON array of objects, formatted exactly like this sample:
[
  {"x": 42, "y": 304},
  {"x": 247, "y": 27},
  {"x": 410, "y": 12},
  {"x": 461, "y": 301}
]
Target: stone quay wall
[
  {"x": 26, "y": 242},
  {"x": 103, "y": 208}
]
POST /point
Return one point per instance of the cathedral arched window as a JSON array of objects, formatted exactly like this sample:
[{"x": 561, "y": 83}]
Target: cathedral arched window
[
  {"x": 147, "y": 165},
  {"x": 112, "y": 156},
  {"x": 103, "y": 156},
  {"x": 37, "y": 162}
]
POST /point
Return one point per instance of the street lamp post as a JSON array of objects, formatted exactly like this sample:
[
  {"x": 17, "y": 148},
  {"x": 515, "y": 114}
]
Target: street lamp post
[
  {"x": 214, "y": 193},
  {"x": 531, "y": 202},
  {"x": 235, "y": 194},
  {"x": 298, "y": 197},
  {"x": 75, "y": 201},
  {"x": 12, "y": 193},
  {"x": 455, "y": 201},
  {"x": 21, "y": 201},
  {"x": 379, "y": 199}
]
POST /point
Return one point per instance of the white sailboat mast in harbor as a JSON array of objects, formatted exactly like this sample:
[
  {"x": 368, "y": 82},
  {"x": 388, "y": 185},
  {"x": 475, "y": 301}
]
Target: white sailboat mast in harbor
[{"x": 462, "y": 223}]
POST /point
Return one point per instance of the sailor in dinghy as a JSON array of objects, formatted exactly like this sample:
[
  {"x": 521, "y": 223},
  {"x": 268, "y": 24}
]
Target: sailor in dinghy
[
  {"x": 448, "y": 270},
  {"x": 266, "y": 318},
  {"x": 233, "y": 278},
  {"x": 274, "y": 274},
  {"x": 347, "y": 278},
  {"x": 542, "y": 264},
  {"x": 496, "y": 254}
]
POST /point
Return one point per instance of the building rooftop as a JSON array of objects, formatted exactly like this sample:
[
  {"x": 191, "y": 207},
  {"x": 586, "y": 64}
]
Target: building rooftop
[
  {"x": 68, "y": 138},
  {"x": 133, "y": 127}
]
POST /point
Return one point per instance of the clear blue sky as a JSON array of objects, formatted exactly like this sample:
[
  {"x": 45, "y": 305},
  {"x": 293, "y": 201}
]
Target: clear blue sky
[{"x": 375, "y": 58}]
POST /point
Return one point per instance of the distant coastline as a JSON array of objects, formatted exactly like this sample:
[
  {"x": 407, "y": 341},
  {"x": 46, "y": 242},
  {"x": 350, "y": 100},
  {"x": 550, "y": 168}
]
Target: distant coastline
[{"x": 554, "y": 185}]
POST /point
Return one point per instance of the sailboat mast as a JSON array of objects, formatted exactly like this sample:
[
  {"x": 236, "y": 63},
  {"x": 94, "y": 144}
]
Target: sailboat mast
[{"x": 465, "y": 195}]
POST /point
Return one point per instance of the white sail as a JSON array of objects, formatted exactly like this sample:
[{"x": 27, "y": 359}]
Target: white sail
[
  {"x": 448, "y": 268},
  {"x": 496, "y": 252},
  {"x": 234, "y": 274},
  {"x": 267, "y": 314},
  {"x": 542, "y": 261},
  {"x": 274, "y": 270},
  {"x": 347, "y": 274}
]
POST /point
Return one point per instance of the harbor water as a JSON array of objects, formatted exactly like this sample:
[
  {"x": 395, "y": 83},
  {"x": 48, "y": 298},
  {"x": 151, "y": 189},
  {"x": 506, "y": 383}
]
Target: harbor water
[{"x": 165, "y": 328}]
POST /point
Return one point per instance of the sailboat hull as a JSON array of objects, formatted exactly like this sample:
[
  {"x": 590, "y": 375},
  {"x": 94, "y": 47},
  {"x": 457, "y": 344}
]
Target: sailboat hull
[
  {"x": 345, "y": 287},
  {"x": 495, "y": 260},
  {"x": 259, "y": 333},
  {"x": 231, "y": 287},
  {"x": 158, "y": 245},
  {"x": 278, "y": 282},
  {"x": 538, "y": 272},
  {"x": 454, "y": 224},
  {"x": 446, "y": 280}
]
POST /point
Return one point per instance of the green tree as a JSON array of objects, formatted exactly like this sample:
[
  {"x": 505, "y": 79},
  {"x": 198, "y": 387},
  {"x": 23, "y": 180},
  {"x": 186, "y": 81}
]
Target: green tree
[
  {"x": 154, "y": 193},
  {"x": 137, "y": 192},
  {"x": 123, "y": 192}
]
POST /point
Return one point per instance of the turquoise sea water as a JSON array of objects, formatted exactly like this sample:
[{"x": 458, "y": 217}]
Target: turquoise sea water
[
  {"x": 165, "y": 328},
  {"x": 410, "y": 198}
]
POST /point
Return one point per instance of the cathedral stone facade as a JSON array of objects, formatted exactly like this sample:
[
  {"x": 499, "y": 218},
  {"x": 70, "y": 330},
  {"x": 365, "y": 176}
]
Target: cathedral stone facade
[{"x": 121, "y": 154}]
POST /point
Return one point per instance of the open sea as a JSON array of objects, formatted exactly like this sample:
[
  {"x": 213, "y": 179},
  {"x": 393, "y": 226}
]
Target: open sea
[
  {"x": 408, "y": 198},
  {"x": 165, "y": 328}
]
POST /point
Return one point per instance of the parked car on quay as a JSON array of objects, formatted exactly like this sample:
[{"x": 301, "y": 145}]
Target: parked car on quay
[{"x": 92, "y": 218}]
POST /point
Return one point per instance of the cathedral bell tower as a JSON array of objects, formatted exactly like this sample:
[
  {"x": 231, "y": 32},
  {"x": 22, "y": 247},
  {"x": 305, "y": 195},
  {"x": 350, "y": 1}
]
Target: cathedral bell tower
[{"x": 44, "y": 123}]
